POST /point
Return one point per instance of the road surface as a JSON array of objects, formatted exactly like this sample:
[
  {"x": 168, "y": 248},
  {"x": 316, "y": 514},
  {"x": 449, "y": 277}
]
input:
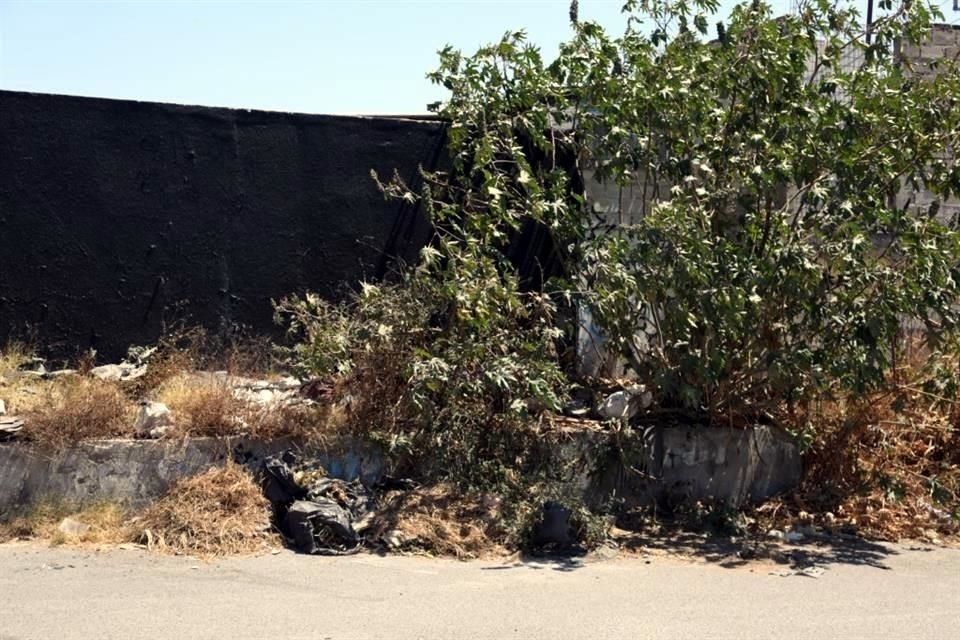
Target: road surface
[{"x": 888, "y": 592}]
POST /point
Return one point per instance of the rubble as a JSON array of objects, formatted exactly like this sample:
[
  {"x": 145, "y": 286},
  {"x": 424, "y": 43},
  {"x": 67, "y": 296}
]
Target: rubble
[
  {"x": 626, "y": 403},
  {"x": 123, "y": 372},
  {"x": 285, "y": 391},
  {"x": 153, "y": 420}
]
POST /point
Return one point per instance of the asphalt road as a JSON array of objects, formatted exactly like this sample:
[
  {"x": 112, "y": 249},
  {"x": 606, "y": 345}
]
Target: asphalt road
[{"x": 891, "y": 592}]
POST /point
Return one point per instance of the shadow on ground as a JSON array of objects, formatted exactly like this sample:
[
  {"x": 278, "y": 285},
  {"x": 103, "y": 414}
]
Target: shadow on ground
[{"x": 731, "y": 552}]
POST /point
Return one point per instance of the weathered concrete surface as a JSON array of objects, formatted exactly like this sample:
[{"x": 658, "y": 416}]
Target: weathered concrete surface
[
  {"x": 885, "y": 593},
  {"x": 678, "y": 464},
  {"x": 733, "y": 465},
  {"x": 135, "y": 471},
  {"x": 665, "y": 466}
]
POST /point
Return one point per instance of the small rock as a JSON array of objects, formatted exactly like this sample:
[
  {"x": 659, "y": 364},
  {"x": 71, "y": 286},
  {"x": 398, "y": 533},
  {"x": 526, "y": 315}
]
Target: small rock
[
  {"x": 122, "y": 372},
  {"x": 606, "y": 552},
  {"x": 394, "y": 539},
  {"x": 72, "y": 527},
  {"x": 153, "y": 420},
  {"x": 627, "y": 403},
  {"x": 775, "y": 534},
  {"x": 60, "y": 373}
]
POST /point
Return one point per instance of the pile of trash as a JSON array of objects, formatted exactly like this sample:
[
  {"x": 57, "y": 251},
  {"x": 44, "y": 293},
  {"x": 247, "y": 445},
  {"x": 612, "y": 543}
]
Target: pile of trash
[{"x": 318, "y": 514}]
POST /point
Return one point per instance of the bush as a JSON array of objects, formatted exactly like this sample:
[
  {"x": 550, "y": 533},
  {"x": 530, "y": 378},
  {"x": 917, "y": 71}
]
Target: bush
[
  {"x": 780, "y": 245},
  {"x": 450, "y": 385}
]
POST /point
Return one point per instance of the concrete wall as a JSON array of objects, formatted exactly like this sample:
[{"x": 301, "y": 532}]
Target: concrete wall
[
  {"x": 138, "y": 471},
  {"x": 117, "y": 217},
  {"x": 668, "y": 466}
]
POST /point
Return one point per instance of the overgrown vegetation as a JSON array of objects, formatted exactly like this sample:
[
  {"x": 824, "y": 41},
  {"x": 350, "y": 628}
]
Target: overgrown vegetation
[
  {"x": 777, "y": 244},
  {"x": 786, "y": 175}
]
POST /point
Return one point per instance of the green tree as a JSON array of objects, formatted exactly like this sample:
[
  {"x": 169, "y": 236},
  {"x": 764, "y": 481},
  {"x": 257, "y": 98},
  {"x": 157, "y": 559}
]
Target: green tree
[{"x": 780, "y": 248}]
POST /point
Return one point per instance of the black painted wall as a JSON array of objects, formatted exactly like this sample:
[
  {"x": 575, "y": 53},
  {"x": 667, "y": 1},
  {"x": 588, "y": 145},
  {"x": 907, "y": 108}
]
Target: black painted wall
[{"x": 117, "y": 217}]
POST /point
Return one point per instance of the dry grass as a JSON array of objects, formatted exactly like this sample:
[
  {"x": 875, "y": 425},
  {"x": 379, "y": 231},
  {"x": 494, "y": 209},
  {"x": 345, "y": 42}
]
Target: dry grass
[
  {"x": 108, "y": 523},
  {"x": 202, "y": 405},
  {"x": 17, "y": 391},
  {"x": 886, "y": 467},
  {"x": 220, "y": 512},
  {"x": 206, "y": 406},
  {"x": 182, "y": 350},
  {"x": 442, "y": 520},
  {"x": 12, "y": 357},
  {"x": 68, "y": 410},
  {"x": 309, "y": 423}
]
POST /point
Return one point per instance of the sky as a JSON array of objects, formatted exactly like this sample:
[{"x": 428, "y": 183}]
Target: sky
[{"x": 322, "y": 56}]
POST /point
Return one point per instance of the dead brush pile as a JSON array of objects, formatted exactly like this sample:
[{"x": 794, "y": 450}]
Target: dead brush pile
[
  {"x": 442, "y": 520},
  {"x": 886, "y": 467},
  {"x": 220, "y": 512},
  {"x": 69, "y": 410}
]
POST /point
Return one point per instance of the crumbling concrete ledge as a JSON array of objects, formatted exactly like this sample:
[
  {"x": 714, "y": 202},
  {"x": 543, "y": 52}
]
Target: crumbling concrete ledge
[
  {"x": 663, "y": 465},
  {"x": 679, "y": 464},
  {"x": 137, "y": 471}
]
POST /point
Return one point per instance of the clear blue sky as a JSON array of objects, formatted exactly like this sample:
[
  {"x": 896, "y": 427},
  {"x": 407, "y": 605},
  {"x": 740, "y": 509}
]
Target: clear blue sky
[{"x": 325, "y": 56}]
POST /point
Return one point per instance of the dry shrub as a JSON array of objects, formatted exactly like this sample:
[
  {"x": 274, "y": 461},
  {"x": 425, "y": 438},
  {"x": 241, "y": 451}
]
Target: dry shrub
[
  {"x": 75, "y": 408},
  {"x": 442, "y": 520},
  {"x": 202, "y": 405},
  {"x": 219, "y": 512},
  {"x": 18, "y": 391},
  {"x": 12, "y": 357},
  {"x": 108, "y": 522},
  {"x": 886, "y": 466},
  {"x": 207, "y": 406},
  {"x": 186, "y": 349},
  {"x": 309, "y": 423}
]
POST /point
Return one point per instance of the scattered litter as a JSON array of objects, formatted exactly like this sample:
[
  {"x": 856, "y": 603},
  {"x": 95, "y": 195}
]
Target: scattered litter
[
  {"x": 317, "y": 513},
  {"x": 625, "y": 404},
  {"x": 793, "y": 537},
  {"x": 10, "y": 426},
  {"x": 808, "y": 572}
]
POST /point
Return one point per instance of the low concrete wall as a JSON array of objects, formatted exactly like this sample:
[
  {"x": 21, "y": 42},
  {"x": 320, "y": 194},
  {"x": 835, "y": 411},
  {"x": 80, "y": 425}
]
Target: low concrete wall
[
  {"x": 674, "y": 465},
  {"x": 669, "y": 466},
  {"x": 136, "y": 471}
]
